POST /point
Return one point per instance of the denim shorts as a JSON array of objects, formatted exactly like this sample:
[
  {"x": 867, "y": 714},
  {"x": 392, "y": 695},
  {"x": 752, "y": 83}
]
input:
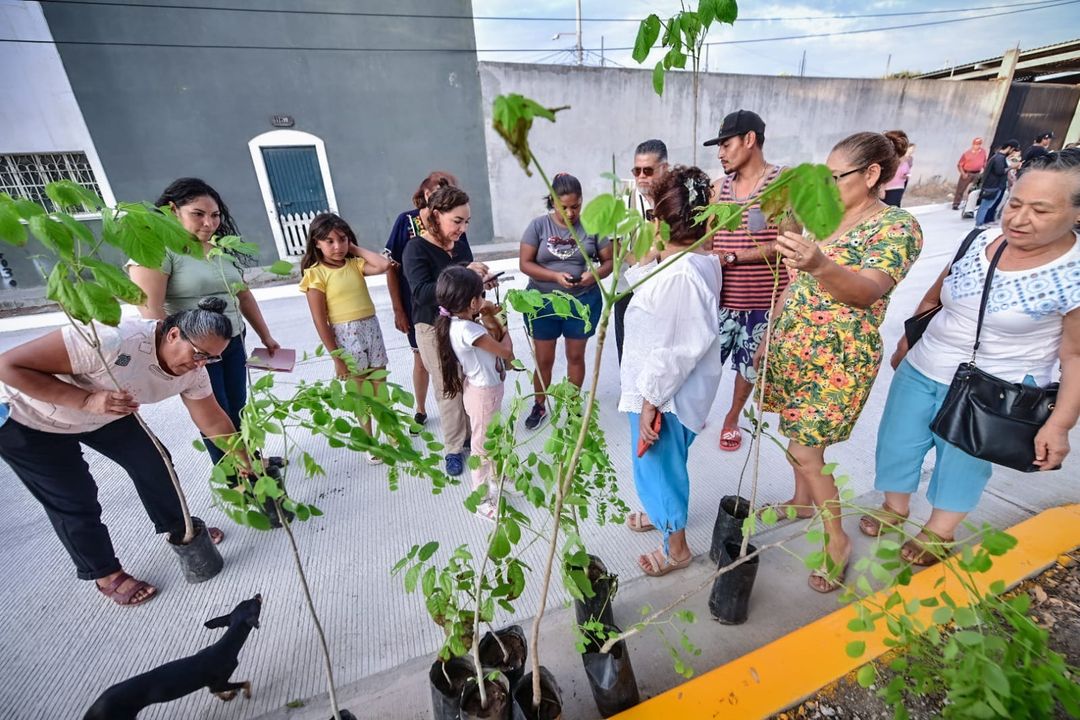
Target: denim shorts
[{"x": 548, "y": 326}]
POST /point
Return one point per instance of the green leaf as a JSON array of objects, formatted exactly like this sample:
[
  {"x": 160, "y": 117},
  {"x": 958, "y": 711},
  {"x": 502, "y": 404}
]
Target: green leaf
[
  {"x": 53, "y": 235},
  {"x": 866, "y": 676},
  {"x": 512, "y": 118},
  {"x": 412, "y": 576},
  {"x": 427, "y": 551},
  {"x": 281, "y": 267},
  {"x": 121, "y": 233},
  {"x": 500, "y": 545},
  {"x": 725, "y": 11},
  {"x": 815, "y": 199},
  {"x": 942, "y": 615},
  {"x": 115, "y": 281},
  {"x": 969, "y": 638},
  {"x": 855, "y": 648},
  {"x": 68, "y": 194},
  {"x": 98, "y": 302},
  {"x": 648, "y": 32},
  {"x": 658, "y": 78},
  {"x": 602, "y": 215},
  {"x": 257, "y": 520},
  {"x": 12, "y": 231}
]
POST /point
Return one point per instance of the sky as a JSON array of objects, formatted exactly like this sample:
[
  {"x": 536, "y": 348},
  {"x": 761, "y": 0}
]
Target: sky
[{"x": 867, "y": 54}]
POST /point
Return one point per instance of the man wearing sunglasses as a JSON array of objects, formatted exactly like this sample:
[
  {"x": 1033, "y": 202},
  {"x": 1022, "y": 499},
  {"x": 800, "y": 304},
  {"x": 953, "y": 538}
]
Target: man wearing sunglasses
[
  {"x": 747, "y": 255},
  {"x": 650, "y": 165}
]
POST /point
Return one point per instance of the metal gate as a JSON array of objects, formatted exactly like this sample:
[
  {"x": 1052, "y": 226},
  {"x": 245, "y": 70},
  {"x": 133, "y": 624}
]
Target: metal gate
[
  {"x": 1032, "y": 109},
  {"x": 297, "y": 187}
]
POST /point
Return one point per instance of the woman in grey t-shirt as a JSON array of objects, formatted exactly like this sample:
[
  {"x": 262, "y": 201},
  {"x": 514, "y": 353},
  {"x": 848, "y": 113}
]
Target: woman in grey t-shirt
[{"x": 552, "y": 259}]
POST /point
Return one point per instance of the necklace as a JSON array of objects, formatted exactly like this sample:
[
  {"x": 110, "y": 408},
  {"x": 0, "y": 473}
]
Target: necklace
[
  {"x": 875, "y": 207},
  {"x": 754, "y": 189}
]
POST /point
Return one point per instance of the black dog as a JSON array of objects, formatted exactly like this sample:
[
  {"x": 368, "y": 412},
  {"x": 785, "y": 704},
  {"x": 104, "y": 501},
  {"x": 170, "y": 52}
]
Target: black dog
[{"x": 209, "y": 668}]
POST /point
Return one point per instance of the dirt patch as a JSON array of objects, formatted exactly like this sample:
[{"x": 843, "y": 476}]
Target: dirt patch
[{"x": 1055, "y": 605}]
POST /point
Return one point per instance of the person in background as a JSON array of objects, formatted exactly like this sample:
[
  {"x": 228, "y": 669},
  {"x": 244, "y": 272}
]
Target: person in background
[
  {"x": 334, "y": 267},
  {"x": 970, "y": 164},
  {"x": 443, "y": 219},
  {"x": 58, "y": 397},
  {"x": 550, "y": 256},
  {"x": 894, "y": 189},
  {"x": 753, "y": 278},
  {"x": 183, "y": 281},
  {"x": 825, "y": 349},
  {"x": 1040, "y": 147},
  {"x": 406, "y": 227},
  {"x": 994, "y": 180},
  {"x": 1031, "y": 326},
  {"x": 650, "y": 166},
  {"x": 672, "y": 366}
]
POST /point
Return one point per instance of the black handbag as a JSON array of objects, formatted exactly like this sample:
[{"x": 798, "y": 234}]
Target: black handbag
[
  {"x": 916, "y": 325},
  {"x": 990, "y": 418}
]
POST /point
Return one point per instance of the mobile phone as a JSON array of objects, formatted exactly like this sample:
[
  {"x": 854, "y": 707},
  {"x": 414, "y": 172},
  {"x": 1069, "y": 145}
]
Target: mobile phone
[
  {"x": 641, "y": 446},
  {"x": 493, "y": 276},
  {"x": 575, "y": 279}
]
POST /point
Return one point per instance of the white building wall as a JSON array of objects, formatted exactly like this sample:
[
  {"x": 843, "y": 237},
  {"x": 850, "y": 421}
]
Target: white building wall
[{"x": 38, "y": 110}]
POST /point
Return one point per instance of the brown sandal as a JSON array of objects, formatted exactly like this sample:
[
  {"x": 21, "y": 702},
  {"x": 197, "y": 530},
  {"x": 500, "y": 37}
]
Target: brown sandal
[
  {"x": 660, "y": 564},
  {"x": 112, "y": 590},
  {"x": 633, "y": 521},
  {"x": 827, "y": 581},
  {"x": 930, "y": 550},
  {"x": 873, "y": 526}
]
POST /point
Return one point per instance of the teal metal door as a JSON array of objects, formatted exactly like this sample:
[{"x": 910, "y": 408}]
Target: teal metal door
[{"x": 295, "y": 180}]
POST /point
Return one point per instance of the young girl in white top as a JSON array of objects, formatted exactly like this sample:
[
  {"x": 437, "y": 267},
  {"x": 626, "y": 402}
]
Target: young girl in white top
[{"x": 469, "y": 358}]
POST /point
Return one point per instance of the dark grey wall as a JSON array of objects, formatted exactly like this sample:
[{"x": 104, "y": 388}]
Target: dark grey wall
[{"x": 388, "y": 118}]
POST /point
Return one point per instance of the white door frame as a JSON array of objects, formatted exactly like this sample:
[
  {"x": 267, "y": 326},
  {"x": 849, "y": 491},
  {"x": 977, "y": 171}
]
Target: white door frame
[{"x": 284, "y": 138}]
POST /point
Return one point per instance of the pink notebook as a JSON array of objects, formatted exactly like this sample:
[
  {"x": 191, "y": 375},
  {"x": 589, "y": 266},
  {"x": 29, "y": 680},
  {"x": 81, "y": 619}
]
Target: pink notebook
[{"x": 282, "y": 361}]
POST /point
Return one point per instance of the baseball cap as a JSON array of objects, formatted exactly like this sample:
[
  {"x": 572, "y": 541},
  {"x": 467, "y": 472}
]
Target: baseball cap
[
  {"x": 1013, "y": 143},
  {"x": 1045, "y": 136},
  {"x": 739, "y": 122}
]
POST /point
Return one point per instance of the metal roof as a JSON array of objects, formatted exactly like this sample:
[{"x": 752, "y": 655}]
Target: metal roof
[{"x": 1058, "y": 63}]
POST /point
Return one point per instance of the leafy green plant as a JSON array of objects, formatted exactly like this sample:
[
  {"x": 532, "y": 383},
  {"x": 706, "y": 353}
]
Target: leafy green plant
[{"x": 977, "y": 649}]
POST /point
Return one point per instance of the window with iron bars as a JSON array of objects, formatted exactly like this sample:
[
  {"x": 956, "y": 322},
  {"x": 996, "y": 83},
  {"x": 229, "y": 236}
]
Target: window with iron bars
[{"x": 25, "y": 176}]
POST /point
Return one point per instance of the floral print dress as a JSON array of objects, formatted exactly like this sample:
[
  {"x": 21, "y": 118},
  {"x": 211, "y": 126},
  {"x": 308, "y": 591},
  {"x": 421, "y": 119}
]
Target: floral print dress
[{"x": 824, "y": 355}]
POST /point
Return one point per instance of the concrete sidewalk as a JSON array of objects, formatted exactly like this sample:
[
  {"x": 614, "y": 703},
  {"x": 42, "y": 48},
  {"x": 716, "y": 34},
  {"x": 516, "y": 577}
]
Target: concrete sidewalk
[{"x": 63, "y": 643}]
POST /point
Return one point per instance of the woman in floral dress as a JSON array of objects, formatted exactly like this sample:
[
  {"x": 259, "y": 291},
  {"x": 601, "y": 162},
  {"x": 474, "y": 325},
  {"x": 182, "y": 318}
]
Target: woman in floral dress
[{"x": 825, "y": 349}]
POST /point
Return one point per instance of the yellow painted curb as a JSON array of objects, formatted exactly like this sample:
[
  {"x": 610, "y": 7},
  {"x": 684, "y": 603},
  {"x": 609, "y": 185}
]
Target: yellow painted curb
[{"x": 797, "y": 665}]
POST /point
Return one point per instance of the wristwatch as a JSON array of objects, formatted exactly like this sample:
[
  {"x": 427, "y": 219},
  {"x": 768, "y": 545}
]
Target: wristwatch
[{"x": 730, "y": 258}]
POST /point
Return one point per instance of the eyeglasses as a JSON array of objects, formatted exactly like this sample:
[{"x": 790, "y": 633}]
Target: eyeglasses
[
  {"x": 199, "y": 355},
  {"x": 647, "y": 171},
  {"x": 841, "y": 176}
]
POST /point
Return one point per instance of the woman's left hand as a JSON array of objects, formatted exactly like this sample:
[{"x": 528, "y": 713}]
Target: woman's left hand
[
  {"x": 271, "y": 344},
  {"x": 646, "y": 434},
  {"x": 587, "y": 279},
  {"x": 1051, "y": 447},
  {"x": 800, "y": 253}
]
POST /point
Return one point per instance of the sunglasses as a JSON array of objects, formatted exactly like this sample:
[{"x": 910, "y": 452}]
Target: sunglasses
[
  {"x": 199, "y": 355},
  {"x": 647, "y": 171},
  {"x": 841, "y": 176}
]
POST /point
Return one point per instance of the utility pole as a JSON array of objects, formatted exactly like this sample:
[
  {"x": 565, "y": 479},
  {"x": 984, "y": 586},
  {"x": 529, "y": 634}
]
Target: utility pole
[
  {"x": 888, "y": 62},
  {"x": 601, "y": 51},
  {"x": 580, "y": 50},
  {"x": 802, "y": 64}
]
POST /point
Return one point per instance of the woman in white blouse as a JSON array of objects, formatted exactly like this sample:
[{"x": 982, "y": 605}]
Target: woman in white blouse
[
  {"x": 671, "y": 365},
  {"x": 1032, "y": 323}
]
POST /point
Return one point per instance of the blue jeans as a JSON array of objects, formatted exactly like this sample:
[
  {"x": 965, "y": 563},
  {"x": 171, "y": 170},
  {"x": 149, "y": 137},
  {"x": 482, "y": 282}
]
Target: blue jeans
[
  {"x": 988, "y": 208},
  {"x": 904, "y": 438},
  {"x": 228, "y": 378}
]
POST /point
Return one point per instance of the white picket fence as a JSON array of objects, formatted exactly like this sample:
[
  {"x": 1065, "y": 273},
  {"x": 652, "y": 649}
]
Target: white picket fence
[{"x": 294, "y": 229}]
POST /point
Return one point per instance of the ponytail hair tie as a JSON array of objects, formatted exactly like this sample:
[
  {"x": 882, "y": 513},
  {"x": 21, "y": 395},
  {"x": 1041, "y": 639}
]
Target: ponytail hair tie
[{"x": 443, "y": 311}]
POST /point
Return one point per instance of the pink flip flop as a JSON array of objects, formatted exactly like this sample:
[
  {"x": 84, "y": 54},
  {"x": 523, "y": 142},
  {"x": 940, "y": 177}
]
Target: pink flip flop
[{"x": 731, "y": 440}]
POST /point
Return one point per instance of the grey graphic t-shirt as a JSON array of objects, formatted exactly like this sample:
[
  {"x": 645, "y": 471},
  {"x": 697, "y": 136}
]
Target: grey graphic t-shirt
[{"x": 557, "y": 251}]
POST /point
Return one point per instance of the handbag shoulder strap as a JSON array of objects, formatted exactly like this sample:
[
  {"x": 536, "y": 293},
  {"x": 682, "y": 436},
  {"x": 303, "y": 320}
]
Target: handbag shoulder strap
[
  {"x": 965, "y": 245},
  {"x": 986, "y": 295}
]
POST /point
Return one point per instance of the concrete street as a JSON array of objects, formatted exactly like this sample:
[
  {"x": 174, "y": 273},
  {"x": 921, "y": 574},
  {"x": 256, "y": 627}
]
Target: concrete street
[{"x": 63, "y": 643}]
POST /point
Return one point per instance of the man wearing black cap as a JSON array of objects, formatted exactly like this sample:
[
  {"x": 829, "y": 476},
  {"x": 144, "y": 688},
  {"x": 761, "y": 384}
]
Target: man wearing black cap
[
  {"x": 1041, "y": 146},
  {"x": 994, "y": 181},
  {"x": 746, "y": 254}
]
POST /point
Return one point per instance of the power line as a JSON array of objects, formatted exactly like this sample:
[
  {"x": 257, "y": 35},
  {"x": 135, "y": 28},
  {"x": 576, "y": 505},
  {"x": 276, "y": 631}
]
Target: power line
[
  {"x": 808, "y": 36},
  {"x": 516, "y": 18}
]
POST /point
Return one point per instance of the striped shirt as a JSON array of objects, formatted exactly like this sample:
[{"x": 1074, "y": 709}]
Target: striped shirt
[{"x": 747, "y": 286}]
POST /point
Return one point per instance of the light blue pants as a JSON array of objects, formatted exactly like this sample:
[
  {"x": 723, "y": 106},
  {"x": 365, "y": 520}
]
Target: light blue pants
[
  {"x": 904, "y": 438},
  {"x": 660, "y": 475}
]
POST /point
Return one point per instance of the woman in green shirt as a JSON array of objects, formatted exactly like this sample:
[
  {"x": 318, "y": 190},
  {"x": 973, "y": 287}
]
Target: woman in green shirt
[{"x": 184, "y": 279}]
